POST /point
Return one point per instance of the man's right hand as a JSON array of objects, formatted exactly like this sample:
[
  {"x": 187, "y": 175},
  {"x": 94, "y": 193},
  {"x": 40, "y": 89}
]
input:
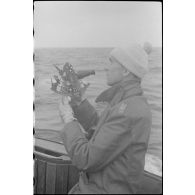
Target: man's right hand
[{"x": 76, "y": 102}]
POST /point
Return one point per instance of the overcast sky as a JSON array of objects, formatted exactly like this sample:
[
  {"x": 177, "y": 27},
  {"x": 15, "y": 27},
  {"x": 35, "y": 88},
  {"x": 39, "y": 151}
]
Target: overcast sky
[{"x": 96, "y": 24}]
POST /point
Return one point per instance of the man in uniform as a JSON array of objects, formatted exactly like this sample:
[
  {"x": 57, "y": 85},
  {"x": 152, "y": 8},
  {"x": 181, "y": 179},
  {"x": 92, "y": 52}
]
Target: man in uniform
[{"x": 111, "y": 160}]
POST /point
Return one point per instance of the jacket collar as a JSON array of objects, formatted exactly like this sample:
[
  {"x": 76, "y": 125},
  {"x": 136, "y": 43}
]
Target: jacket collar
[{"x": 120, "y": 91}]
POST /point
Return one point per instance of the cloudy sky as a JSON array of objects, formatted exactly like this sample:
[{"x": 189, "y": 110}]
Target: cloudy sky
[{"x": 96, "y": 24}]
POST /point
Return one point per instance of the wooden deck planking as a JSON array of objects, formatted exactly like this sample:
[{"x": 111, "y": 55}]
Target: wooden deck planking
[
  {"x": 50, "y": 178},
  {"x": 73, "y": 176},
  {"x": 41, "y": 171}
]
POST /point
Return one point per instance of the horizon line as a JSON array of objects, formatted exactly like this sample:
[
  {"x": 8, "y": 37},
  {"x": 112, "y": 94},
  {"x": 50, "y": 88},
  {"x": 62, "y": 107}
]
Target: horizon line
[{"x": 72, "y": 47}]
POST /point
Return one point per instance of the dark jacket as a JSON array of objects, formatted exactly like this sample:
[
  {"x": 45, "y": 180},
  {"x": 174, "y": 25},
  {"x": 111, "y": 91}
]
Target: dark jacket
[{"x": 112, "y": 161}]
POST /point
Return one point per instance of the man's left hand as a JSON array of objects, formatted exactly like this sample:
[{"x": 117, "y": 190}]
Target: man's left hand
[{"x": 65, "y": 109}]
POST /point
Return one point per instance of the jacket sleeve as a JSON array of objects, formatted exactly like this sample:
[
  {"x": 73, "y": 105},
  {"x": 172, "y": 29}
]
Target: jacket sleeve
[
  {"x": 86, "y": 115},
  {"x": 112, "y": 139}
]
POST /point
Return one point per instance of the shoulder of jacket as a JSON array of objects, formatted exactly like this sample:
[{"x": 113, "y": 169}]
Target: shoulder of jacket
[{"x": 135, "y": 107}]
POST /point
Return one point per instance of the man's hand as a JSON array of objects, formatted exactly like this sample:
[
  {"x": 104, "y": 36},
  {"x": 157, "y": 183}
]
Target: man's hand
[
  {"x": 66, "y": 112},
  {"x": 65, "y": 109},
  {"x": 75, "y": 102},
  {"x": 84, "y": 86}
]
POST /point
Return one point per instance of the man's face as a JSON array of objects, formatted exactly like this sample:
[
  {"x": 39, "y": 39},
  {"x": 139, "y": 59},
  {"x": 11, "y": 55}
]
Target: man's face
[{"x": 114, "y": 72}]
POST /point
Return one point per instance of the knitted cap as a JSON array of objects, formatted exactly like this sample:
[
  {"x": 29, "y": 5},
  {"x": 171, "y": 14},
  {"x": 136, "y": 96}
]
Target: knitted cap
[{"x": 134, "y": 58}]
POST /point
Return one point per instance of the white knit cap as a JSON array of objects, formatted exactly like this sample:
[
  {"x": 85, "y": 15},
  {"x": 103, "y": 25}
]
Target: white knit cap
[{"x": 134, "y": 58}]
